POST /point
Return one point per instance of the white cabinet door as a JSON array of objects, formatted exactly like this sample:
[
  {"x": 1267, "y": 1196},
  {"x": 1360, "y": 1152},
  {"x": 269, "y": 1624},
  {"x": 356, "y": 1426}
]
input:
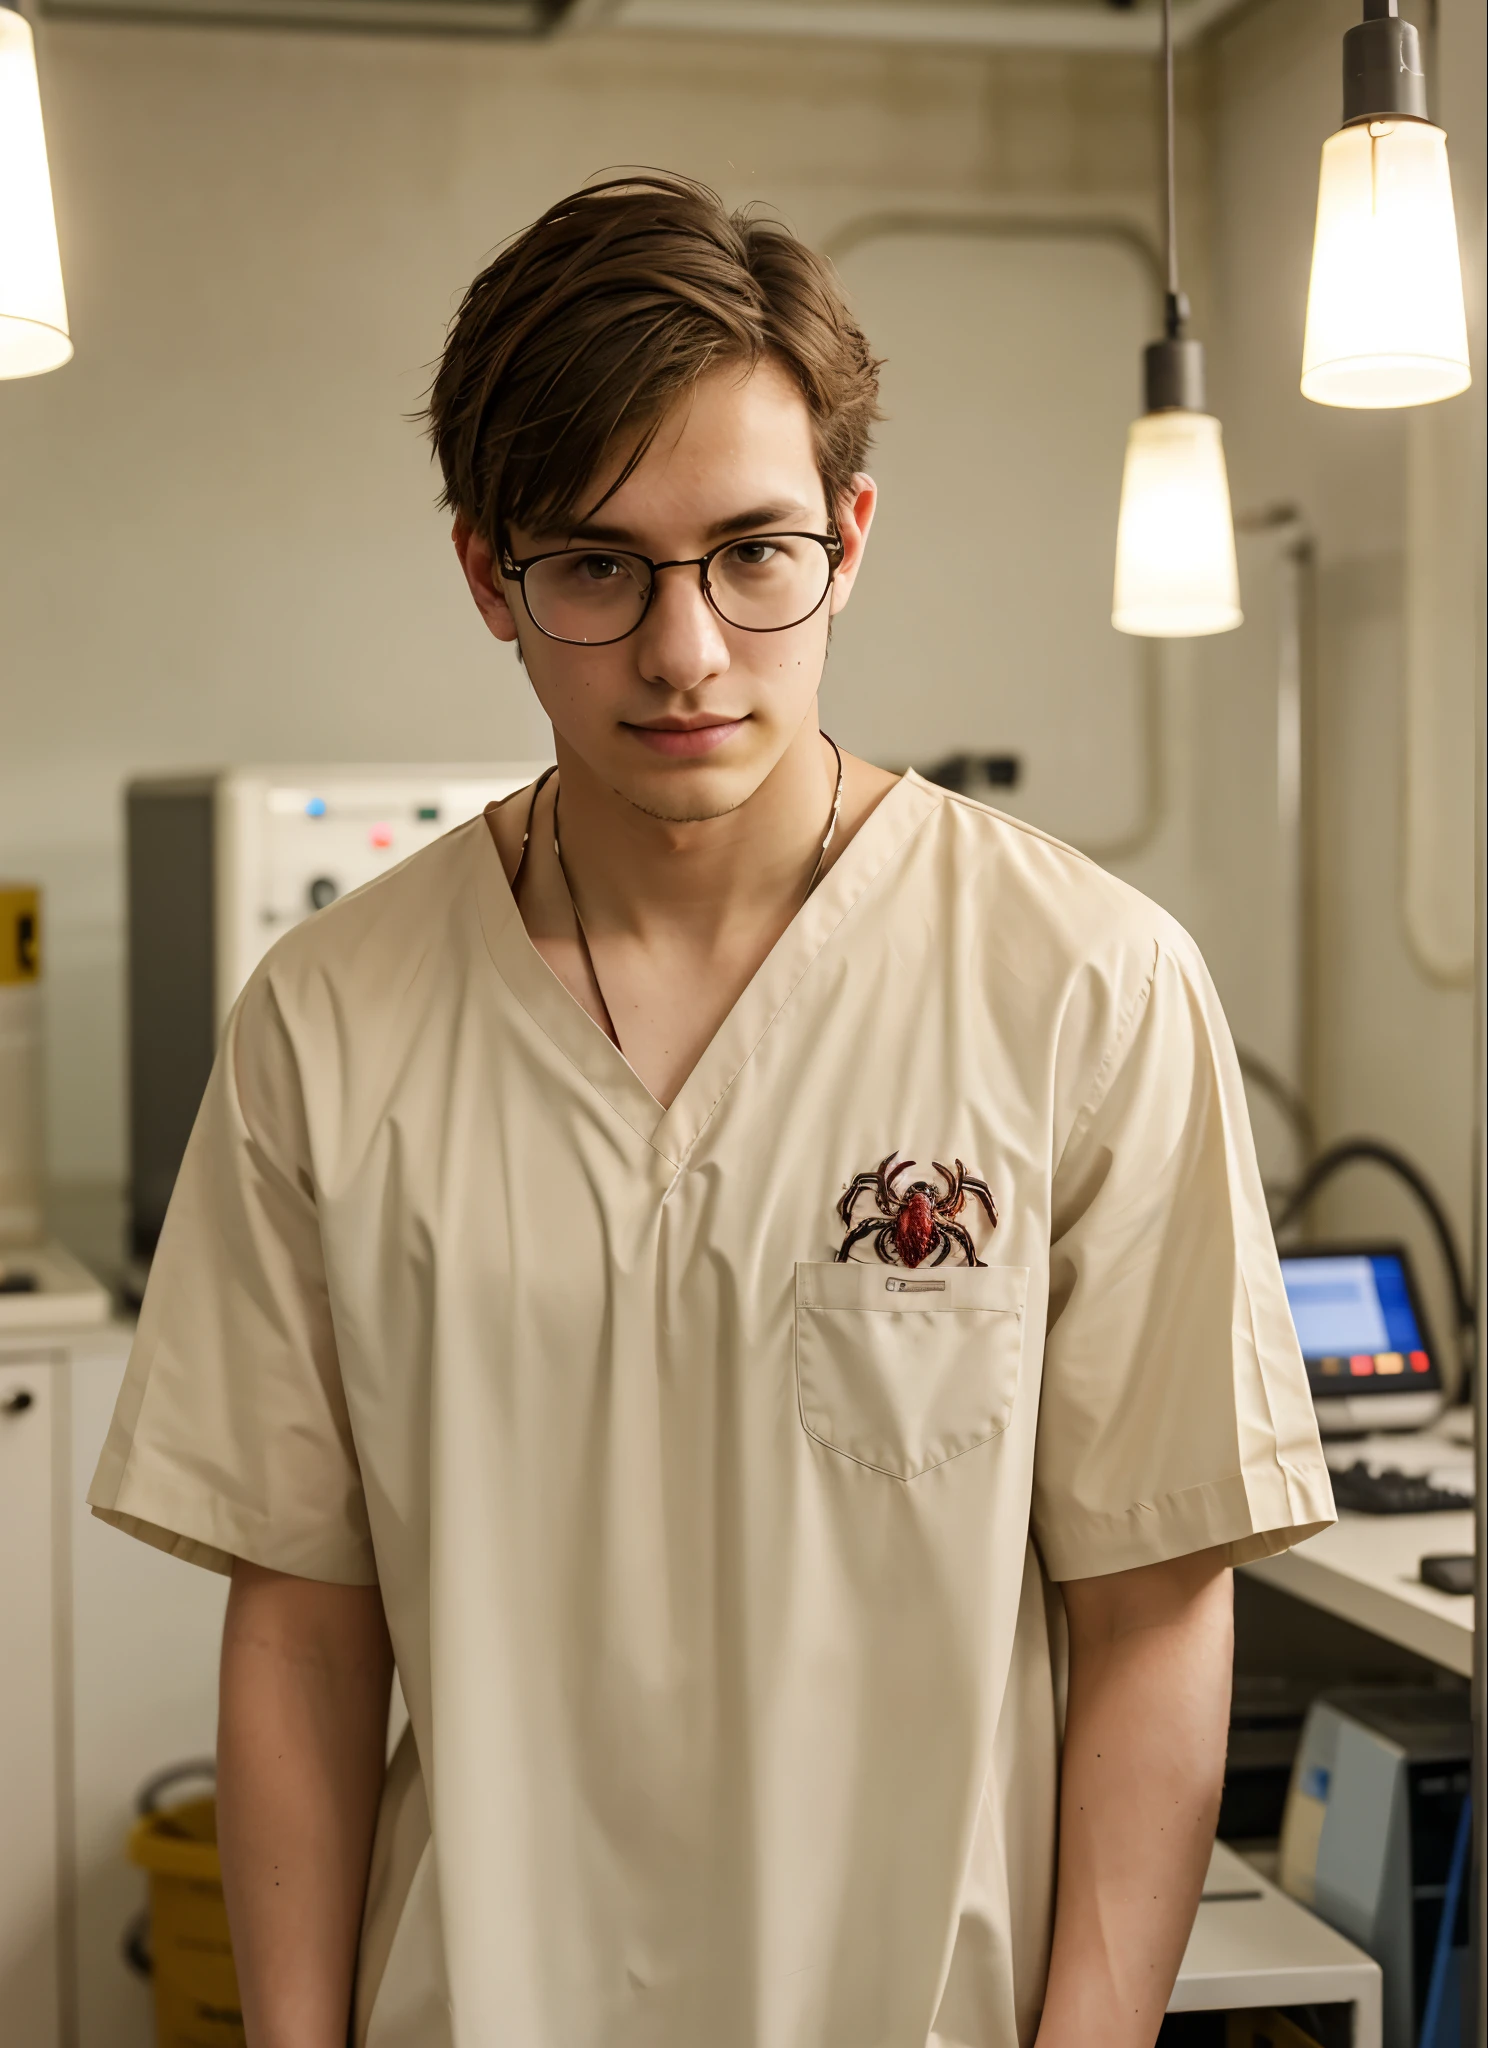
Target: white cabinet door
[
  {"x": 28, "y": 1721},
  {"x": 146, "y": 1631}
]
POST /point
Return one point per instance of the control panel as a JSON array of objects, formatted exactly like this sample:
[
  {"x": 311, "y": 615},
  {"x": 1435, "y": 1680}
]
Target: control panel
[{"x": 290, "y": 842}]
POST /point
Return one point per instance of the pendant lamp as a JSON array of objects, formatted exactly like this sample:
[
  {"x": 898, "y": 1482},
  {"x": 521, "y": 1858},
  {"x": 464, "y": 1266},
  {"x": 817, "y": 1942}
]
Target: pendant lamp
[
  {"x": 1175, "y": 541},
  {"x": 1385, "y": 321},
  {"x": 33, "y": 310}
]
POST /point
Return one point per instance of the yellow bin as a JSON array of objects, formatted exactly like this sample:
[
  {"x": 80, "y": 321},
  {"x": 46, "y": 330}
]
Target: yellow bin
[{"x": 196, "y": 1986}]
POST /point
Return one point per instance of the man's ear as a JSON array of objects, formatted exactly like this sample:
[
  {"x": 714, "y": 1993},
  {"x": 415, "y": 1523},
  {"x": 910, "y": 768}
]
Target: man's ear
[
  {"x": 479, "y": 563},
  {"x": 854, "y": 517}
]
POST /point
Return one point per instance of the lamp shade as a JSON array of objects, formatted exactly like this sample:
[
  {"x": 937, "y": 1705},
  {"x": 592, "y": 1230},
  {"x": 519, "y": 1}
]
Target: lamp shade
[
  {"x": 33, "y": 310},
  {"x": 1385, "y": 322},
  {"x": 1175, "y": 541}
]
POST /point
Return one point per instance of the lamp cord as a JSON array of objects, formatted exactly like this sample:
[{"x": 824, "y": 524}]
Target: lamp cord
[{"x": 1174, "y": 312}]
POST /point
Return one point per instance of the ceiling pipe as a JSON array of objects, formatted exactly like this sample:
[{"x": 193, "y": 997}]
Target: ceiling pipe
[{"x": 925, "y": 23}]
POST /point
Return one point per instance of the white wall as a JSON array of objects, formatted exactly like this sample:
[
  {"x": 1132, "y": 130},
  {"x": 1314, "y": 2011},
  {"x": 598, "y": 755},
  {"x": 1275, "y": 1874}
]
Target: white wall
[
  {"x": 1394, "y": 1049},
  {"x": 217, "y": 539},
  {"x": 984, "y": 622}
]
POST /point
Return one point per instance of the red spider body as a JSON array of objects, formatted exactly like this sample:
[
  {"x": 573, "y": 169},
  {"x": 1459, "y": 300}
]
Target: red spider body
[
  {"x": 918, "y": 1224},
  {"x": 913, "y": 1228}
]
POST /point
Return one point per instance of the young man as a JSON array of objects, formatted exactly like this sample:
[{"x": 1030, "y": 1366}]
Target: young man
[{"x": 745, "y": 1275}]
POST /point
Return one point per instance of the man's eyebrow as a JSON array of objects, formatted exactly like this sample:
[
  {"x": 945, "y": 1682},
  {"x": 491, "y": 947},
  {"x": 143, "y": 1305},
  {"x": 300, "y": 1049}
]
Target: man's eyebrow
[{"x": 758, "y": 519}]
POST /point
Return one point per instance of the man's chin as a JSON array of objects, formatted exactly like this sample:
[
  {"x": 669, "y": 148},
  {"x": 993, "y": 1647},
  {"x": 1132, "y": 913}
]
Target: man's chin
[
  {"x": 681, "y": 807},
  {"x": 674, "y": 798}
]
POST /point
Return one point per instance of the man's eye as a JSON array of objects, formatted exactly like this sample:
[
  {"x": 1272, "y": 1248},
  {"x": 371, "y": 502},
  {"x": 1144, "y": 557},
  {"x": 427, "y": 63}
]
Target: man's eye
[
  {"x": 753, "y": 554},
  {"x": 598, "y": 568}
]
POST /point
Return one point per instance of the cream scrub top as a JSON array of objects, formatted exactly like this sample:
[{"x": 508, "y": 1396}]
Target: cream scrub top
[{"x": 720, "y": 1571}]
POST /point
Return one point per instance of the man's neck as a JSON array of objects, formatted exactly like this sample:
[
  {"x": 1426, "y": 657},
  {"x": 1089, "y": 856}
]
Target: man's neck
[
  {"x": 678, "y": 917},
  {"x": 633, "y": 871}
]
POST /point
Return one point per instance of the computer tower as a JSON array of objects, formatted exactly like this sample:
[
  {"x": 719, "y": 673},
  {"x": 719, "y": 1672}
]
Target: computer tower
[
  {"x": 219, "y": 865},
  {"x": 1375, "y": 1821}
]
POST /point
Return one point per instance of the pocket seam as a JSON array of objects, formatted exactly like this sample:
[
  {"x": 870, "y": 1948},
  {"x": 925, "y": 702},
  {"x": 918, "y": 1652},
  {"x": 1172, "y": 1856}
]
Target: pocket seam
[
  {"x": 802, "y": 1309},
  {"x": 867, "y": 1464},
  {"x": 858, "y": 1282}
]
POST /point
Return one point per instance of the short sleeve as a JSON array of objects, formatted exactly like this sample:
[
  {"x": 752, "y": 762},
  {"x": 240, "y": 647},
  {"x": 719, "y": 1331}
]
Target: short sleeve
[
  {"x": 1175, "y": 1413},
  {"x": 231, "y": 1436}
]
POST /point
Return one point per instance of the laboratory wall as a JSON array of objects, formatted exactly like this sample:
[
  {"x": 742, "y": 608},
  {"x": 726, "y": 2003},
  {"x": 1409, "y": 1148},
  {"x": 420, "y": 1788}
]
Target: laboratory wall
[
  {"x": 218, "y": 539},
  {"x": 1392, "y": 503}
]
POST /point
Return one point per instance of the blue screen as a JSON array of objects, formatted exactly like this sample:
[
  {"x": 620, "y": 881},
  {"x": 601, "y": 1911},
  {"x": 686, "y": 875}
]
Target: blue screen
[
  {"x": 1355, "y": 1323},
  {"x": 1394, "y": 1298}
]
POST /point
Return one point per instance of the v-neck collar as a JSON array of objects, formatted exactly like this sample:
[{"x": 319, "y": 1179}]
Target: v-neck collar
[{"x": 567, "y": 1024}]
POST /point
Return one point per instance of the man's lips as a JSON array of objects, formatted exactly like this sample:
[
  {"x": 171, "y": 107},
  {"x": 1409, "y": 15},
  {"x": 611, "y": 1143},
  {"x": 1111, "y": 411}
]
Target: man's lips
[{"x": 684, "y": 742}]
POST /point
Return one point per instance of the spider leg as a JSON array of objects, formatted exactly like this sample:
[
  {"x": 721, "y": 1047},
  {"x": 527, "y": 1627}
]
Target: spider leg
[
  {"x": 953, "y": 1201},
  {"x": 866, "y": 1183},
  {"x": 954, "y": 1230},
  {"x": 942, "y": 1244},
  {"x": 890, "y": 1197},
  {"x": 980, "y": 1189},
  {"x": 874, "y": 1225}
]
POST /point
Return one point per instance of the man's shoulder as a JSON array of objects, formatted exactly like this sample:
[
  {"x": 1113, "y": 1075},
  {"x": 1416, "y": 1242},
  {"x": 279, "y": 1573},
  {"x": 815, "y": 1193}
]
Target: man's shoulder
[
  {"x": 1073, "y": 958},
  {"x": 1038, "y": 893}
]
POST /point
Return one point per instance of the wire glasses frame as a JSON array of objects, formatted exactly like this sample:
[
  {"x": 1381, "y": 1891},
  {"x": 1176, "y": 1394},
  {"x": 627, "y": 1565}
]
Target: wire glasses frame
[{"x": 594, "y": 594}]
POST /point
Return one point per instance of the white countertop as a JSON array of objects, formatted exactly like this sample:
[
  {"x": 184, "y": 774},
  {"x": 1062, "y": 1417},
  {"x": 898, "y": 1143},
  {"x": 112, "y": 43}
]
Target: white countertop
[
  {"x": 1253, "y": 1946},
  {"x": 1367, "y": 1568}
]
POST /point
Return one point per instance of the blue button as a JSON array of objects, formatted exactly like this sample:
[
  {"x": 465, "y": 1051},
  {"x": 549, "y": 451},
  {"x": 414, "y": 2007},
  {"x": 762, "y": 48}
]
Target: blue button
[
  {"x": 1315, "y": 1782},
  {"x": 316, "y": 807}
]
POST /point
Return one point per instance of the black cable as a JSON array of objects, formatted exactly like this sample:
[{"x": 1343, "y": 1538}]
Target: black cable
[
  {"x": 1261, "y": 1074},
  {"x": 1167, "y": 58},
  {"x": 1353, "y": 1151}
]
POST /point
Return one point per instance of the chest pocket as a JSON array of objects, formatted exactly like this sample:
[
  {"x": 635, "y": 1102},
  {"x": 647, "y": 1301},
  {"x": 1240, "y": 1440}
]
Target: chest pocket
[{"x": 903, "y": 1370}]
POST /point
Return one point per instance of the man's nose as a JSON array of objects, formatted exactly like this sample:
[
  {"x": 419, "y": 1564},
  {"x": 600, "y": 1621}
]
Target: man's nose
[{"x": 680, "y": 642}]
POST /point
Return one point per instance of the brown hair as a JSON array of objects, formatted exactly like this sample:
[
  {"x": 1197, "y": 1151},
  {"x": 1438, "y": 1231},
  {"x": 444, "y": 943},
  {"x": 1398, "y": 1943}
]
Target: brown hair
[{"x": 586, "y": 327}]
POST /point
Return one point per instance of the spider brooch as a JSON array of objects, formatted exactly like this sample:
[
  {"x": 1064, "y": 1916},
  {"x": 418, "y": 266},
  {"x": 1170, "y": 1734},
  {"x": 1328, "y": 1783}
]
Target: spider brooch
[{"x": 918, "y": 1224}]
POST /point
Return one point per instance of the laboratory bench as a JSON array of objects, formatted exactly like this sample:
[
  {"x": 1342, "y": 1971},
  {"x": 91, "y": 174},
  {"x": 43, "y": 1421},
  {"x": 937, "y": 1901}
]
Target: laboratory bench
[
  {"x": 1366, "y": 1569},
  {"x": 1355, "y": 1615},
  {"x": 1252, "y": 1948}
]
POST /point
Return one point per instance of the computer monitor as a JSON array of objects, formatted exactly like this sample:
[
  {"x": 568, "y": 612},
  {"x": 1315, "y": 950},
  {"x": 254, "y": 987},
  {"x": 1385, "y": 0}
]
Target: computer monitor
[{"x": 1370, "y": 1360}]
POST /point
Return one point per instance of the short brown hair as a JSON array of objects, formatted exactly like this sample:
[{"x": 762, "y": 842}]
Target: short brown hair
[{"x": 587, "y": 326}]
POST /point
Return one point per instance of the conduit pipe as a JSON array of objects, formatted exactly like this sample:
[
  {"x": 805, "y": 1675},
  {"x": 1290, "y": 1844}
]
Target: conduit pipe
[
  {"x": 945, "y": 24},
  {"x": 1296, "y": 769}
]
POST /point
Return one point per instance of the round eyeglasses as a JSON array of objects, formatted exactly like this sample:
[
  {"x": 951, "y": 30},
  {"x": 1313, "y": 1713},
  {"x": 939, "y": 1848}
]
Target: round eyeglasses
[{"x": 592, "y": 597}]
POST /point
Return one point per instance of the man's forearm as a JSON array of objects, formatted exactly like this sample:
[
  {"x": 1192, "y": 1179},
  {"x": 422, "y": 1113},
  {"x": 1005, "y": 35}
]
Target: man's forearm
[
  {"x": 1144, "y": 1752},
  {"x": 302, "y": 1727}
]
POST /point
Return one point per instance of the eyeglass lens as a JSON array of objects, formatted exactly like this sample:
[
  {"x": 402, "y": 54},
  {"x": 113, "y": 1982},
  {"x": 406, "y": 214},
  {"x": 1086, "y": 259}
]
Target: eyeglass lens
[{"x": 760, "y": 584}]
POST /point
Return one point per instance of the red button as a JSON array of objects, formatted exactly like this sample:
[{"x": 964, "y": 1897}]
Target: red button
[
  {"x": 381, "y": 835},
  {"x": 1360, "y": 1364},
  {"x": 1420, "y": 1362}
]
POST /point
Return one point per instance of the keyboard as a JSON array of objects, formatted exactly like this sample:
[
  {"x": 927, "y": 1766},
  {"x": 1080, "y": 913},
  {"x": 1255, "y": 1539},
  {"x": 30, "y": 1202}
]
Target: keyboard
[{"x": 1388, "y": 1491}]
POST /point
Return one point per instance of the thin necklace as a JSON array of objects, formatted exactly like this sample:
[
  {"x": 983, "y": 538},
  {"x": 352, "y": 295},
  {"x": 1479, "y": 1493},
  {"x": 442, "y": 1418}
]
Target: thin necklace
[{"x": 609, "y": 1021}]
